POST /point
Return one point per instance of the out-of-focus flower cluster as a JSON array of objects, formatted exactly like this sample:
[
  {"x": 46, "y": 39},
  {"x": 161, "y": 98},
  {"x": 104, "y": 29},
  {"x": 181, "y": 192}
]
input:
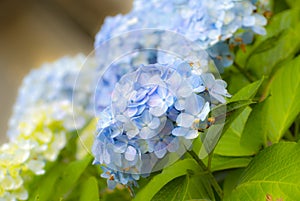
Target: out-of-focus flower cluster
[
  {"x": 55, "y": 82},
  {"x": 48, "y": 107},
  {"x": 156, "y": 110},
  {"x": 40, "y": 138},
  {"x": 216, "y": 26}
]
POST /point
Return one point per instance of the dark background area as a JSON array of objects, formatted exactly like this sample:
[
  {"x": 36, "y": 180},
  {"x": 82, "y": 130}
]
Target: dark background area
[{"x": 33, "y": 32}]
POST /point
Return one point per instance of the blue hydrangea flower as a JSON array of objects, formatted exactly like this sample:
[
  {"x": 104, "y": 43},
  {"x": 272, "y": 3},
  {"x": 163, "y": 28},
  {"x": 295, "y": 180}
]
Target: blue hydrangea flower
[
  {"x": 216, "y": 88},
  {"x": 206, "y": 22},
  {"x": 195, "y": 111},
  {"x": 221, "y": 54},
  {"x": 164, "y": 141},
  {"x": 155, "y": 111},
  {"x": 115, "y": 177},
  {"x": 211, "y": 25}
]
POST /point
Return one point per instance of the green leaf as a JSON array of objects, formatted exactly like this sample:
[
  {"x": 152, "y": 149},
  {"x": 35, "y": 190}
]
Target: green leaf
[
  {"x": 68, "y": 178},
  {"x": 224, "y": 162},
  {"x": 86, "y": 139},
  {"x": 200, "y": 188},
  {"x": 283, "y": 106},
  {"x": 276, "y": 26},
  {"x": 211, "y": 136},
  {"x": 287, "y": 45},
  {"x": 293, "y": 3},
  {"x": 116, "y": 195},
  {"x": 279, "y": 6},
  {"x": 61, "y": 179},
  {"x": 275, "y": 172},
  {"x": 236, "y": 123},
  {"x": 90, "y": 190},
  {"x": 230, "y": 107},
  {"x": 232, "y": 78},
  {"x": 247, "y": 92},
  {"x": 278, "y": 45},
  {"x": 231, "y": 181},
  {"x": 175, "y": 190},
  {"x": 230, "y": 143},
  {"x": 254, "y": 133},
  {"x": 188, "y": 187},
  {"x": 42, "y": 188},
  {"x": 230, "y": 110},
  {"x": 178, "y": 169}
]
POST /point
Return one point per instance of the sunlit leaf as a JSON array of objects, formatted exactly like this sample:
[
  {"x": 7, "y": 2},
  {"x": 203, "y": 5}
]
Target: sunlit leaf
[
  {"x": 283, "y": 106},
  {"x": 273, "y": 173},
  {"x": 85, "y": 140},
  {"x": 230, "y": 143},
  {"x": 231, "y": 181},
  {"x": 90, "y": 190},
  {"x": 176, "y": 170},
  {"x": 224, "y": 162},
  {"x": 175, "y": 190},
  {"x": 280, "y": 44},
  {"x": 247, "y": 92},
  {"x": 69, "y": 176}
]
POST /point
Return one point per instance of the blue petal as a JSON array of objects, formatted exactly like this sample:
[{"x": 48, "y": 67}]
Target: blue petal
[
  {"x": 159, "y": 110},
  {"x": 162, "y": 92},
  {"x": 154, "y": 124},
  {"x": 160, "y": 150},
  {"x": 185, "y": 120},
  {"x": 120, "y": 147},
  {"x": 146, "y": 117},
  {"x": 173, "y": 145},
  {"x": 111, "y": 184},
  {"x": 130, "y": 153},
  {"x": 185, "y": 90},
  {"x": 155, "y": 100},
  {"x": 147, "y": 133},
  {"x": 205, "y": 110},
  {"x": 179, "y": 131},
  {"x": 194, "y": 104},
  {"x": 167, "y": 128},
  {"x": 192, "y": 134},
  {"x": 131, "y": 111}
]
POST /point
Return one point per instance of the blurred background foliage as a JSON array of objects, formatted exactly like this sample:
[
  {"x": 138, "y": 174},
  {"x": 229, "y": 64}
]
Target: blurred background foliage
[{"x": 33, "y": 32}]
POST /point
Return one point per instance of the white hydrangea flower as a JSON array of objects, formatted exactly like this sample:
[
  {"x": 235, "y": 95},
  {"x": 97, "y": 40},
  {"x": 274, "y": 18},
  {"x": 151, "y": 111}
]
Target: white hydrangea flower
[{"x": 40, "y": 138}]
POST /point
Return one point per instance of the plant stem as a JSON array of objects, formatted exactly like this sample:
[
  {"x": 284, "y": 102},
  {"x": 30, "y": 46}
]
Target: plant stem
[
  {"x": 210, "y": 156},
  {"x": 211, "y": 177},
  {"x": 247, "y": 75}
]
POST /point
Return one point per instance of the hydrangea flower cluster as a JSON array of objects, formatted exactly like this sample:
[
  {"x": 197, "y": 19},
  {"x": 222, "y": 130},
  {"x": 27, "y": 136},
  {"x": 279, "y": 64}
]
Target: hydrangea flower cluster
[
  {"x": 155, "y": 111},
  {"x": 45, "y": 110},
  {"x": 40, "y": 138},
  {"x": 55, "y": 83},
  {"x": 216, "y": 26}
]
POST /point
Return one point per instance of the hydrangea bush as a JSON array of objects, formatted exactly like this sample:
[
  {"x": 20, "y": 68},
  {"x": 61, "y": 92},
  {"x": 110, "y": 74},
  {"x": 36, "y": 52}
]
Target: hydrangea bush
[{"x": 148, "y": 117}]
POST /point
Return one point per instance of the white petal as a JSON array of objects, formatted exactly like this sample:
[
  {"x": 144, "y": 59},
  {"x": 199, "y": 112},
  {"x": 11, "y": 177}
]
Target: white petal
[{"x": 36, "y": 166}]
